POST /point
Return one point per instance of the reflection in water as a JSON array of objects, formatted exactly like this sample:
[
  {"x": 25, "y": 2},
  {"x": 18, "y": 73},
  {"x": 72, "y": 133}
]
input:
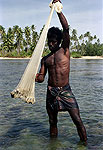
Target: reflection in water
[{"x": 25, "y": 126}]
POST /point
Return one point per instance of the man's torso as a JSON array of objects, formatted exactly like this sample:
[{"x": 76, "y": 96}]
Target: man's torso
[{"x": 58, "y": 65}]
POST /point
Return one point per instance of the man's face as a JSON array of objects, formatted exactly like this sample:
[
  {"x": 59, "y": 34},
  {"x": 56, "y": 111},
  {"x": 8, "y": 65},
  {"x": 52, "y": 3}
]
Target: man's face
[{"x": 53, "y": 44}]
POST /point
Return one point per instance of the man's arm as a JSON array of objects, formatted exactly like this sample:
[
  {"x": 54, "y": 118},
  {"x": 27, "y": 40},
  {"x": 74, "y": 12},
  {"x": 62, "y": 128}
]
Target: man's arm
[
  {"x": 66, "y": 37},
  {"x": 41, "y": 75},
  {"x": 65, "y": 26}
]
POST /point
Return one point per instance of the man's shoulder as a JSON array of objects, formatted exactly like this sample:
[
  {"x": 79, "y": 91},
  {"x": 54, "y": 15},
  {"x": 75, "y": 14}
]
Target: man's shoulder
[
  {"x": 63, "y": 51},
  {"x": 45, "y": 58}
]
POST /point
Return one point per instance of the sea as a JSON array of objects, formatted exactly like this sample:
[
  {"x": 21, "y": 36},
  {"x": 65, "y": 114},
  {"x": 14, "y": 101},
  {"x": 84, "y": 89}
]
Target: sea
[{"x": 26, "y": 126}]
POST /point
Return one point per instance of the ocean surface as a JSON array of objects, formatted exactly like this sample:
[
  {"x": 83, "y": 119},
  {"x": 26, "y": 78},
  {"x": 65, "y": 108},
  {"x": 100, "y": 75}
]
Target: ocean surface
[{"x": 25, "y": 126}]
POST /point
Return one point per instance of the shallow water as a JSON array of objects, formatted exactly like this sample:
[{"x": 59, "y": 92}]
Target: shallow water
[{"x": 25, "y": 126}]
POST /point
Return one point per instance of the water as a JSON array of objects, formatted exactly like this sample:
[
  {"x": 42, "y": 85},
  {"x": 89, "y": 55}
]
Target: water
[{"x": 25, "y": 126}]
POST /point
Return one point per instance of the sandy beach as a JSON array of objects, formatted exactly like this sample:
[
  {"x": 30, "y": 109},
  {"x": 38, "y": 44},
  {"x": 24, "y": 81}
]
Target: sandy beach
[
  {"x": 83, "y": 57},
  {"x": 90, "y": 57},
  {"x": 12, "y": 58}
]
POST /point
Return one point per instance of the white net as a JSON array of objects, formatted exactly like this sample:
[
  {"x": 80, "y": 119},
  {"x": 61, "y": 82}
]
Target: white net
[
  {"x": 57, "y": 6},
  {"x": 26, "y": 87}
]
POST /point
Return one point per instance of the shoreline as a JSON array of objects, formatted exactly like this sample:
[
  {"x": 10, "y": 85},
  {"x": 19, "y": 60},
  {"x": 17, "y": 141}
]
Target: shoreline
[
  {"x": 83, "y": 57},
  {"x": 89, "y": 57},
  {"x": 13, "y": 58}
]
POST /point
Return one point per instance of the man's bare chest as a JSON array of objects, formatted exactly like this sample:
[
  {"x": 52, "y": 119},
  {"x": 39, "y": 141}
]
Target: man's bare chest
[{"x": 57, "y": 59}]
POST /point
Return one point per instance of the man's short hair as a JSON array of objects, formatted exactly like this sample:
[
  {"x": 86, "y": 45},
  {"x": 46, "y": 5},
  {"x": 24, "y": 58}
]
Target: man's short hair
[{"x": 55, "y": 32}]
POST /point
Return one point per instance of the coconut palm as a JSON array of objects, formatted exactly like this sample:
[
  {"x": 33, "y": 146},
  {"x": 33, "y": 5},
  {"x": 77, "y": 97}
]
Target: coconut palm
[
  {"x": 34, "y": 37},
  {"x": 18, "y": 38},
  {"x": 2, "y": 39},
  {"x": 87, "y": 36},
  {"x": 74, "y": 38},
  {"x": 2, "y": 33},
  {"x": 9, "y": 40},
  {"x": 27, "y": 33}
]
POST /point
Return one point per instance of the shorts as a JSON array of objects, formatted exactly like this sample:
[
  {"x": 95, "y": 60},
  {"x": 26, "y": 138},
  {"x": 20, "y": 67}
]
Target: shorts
[{"x": 60, "y": 98}]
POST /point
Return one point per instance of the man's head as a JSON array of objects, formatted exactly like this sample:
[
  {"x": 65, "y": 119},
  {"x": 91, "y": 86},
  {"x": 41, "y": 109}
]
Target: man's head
[{"x": 54, "y": 37}]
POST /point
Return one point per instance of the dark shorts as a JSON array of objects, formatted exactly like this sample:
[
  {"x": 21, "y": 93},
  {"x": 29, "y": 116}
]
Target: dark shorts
[{"x": 60, "y": 99}]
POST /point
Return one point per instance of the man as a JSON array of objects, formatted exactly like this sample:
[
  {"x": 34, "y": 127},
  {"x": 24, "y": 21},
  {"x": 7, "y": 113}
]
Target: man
[{"x": 57, "y": 63}]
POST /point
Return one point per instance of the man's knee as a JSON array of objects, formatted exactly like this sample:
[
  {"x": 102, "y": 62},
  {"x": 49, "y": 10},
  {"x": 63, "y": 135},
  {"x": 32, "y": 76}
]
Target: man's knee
[
  {"x": 52, "y": 117},
  {"x": 77, "y": 121},
  {"x": 53, "y": 122}
]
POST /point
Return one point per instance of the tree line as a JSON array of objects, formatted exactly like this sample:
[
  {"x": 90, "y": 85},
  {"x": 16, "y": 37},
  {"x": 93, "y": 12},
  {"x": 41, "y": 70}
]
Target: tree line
[{"x": 18, "y": 42}]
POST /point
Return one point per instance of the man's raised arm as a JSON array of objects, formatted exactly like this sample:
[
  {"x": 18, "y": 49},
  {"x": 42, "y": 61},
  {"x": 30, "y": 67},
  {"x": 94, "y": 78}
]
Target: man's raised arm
[{"x": 65, "y": 26}]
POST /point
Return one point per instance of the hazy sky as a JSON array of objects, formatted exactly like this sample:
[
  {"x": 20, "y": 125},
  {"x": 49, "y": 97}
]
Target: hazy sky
[{"x": 82, "y": 15}]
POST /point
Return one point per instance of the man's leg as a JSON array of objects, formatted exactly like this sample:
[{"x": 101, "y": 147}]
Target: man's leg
[
  {"x": 53, "y": 122},
  {"x": 75, "y": 115}
]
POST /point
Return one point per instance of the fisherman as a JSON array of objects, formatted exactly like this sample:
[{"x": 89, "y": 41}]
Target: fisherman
[{"x": 59, "y": 93}]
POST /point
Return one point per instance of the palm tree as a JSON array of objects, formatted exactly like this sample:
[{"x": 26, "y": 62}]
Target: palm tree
[
  {"x": 87, "y": 36},
  {"x": 34, "y": 37},
  {"x": 10, "y": 40},
  {"x": 98, "y": 41},
  {"x": 74, "y": 38},
  {"x": 90, "y": 39},
  {"x": 95, "y": 37},
  {"x": 27, "y": 37},
  {"x": 81, "y": 38},
  {"x": 18, "y": 38},
  {"x": 2, "y": 30},
  {"x": 2, "y": 39}
]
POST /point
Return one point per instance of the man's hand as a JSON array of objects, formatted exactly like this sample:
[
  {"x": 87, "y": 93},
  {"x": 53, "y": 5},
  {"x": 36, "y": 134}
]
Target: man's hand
[
  {"x": 54, "y": 1},
  {"x": 57, "y": 5},
  {"x": 36, "y": 78},
  {"x": 39, "y": 77}
]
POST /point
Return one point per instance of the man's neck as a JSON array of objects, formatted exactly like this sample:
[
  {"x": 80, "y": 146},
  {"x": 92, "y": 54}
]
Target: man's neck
[{"x": 55, "y": 50}]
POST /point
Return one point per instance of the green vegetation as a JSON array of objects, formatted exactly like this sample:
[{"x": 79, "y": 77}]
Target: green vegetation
[
  {"x": 75, "y": 54},
  {"x": 17, "y": 42},
  {"x": 85, "y": 45}
]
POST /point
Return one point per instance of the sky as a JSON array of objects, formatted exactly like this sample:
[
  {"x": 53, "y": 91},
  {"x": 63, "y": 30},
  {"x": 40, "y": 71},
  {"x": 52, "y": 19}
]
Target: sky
[{"x": 82, "y": 15}]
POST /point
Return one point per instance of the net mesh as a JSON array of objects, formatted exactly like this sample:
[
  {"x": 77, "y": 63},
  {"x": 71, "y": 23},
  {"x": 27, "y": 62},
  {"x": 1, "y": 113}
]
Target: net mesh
[{"x": 26, "y": 87}]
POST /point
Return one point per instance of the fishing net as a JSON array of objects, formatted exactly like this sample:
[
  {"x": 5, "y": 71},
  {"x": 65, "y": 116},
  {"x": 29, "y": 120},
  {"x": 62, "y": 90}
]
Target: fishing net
[{"x": 26, "y": 87}]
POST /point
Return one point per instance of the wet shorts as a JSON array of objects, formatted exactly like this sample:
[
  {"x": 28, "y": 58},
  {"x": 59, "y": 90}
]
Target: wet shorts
[{"x": 60, "y": 98}]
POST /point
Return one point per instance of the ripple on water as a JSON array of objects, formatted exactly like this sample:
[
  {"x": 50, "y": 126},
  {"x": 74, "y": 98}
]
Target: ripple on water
[{"x": 24, "y": 126}]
